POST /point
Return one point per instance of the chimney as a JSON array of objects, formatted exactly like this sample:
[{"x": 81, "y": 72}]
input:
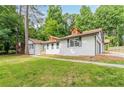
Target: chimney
[
  {"x": 75, "y": 31},
  {"x": 53, "y": 38}
]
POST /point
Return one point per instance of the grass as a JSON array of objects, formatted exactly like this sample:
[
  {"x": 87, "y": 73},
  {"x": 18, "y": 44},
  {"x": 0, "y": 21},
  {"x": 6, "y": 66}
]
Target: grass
[
  {"x": 9, "y": 59},
  {"x": 33, "y": 71},
  {"x": 99, "y": 58}
]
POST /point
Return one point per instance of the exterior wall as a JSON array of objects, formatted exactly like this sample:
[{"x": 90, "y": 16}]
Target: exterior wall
[
  {"x": 36, "y": 50},
  {"x": 52, "y": 51},
  {"x": 87, "y": 48},
  {"x": 90, "y": 46},
  {"x": 31, "y": 50}
]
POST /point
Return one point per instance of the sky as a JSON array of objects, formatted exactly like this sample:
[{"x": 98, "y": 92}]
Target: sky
[
  {"x": 70, "y": 9},
  {"x": 73, "y": 8},
  {"x": 76, "y": 8}
]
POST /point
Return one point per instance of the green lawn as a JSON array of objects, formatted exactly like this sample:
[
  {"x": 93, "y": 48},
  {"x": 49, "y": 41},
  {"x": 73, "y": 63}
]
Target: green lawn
[{"x": 34, "y": 71}]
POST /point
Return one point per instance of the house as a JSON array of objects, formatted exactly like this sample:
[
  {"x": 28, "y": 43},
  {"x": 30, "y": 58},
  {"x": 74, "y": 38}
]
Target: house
[
  {"x": 87, "y": 43},
  {"x": 35, "y": 46}
]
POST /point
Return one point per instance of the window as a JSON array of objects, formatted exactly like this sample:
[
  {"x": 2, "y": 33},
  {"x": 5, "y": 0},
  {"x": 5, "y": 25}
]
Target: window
[
  {"x": 75, "y": 42},
  {"x": 52, "y": 46},
  {"x": 47, "y": 46},
  {"x": 71, "y": 43},
  {"x": 31, "y": 46},
  {"x": 57, "y": 45},
  {"x": 78, "y": 41},
  {"x": 68, "y": 43}
]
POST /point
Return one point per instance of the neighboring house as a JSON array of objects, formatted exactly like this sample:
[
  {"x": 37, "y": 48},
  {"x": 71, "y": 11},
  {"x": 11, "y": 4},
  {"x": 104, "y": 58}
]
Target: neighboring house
[{"x": 87, "y": 43}]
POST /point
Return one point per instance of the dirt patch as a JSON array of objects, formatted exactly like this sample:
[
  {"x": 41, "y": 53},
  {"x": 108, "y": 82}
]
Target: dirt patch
[{"x": 106, "y": 58}]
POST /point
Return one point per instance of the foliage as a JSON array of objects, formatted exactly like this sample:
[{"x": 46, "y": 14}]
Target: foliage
[
  {"x": 51, "y": 27},
  {"x": 54, "y": 23},
  {"x": 111, "y": 19},
  {"x": 54, "y": 13},
  {"x": 8, "y": 26},
  {"x": 4, "y": 34},
  {"x": 35, "y": 14},
  {"x": 85, "y": 20},
  {"x": 38, "y": 34},
  {"x": 69, "y": 22}
]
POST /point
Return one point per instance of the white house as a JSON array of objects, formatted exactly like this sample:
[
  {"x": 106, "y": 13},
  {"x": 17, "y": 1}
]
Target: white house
[
  {"x": 87, "y": 43},
  {"x": 35, "y": 46}
]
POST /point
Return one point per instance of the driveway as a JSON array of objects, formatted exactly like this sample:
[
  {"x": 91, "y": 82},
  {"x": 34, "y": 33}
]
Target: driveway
[{"x": 116, "y": 54}]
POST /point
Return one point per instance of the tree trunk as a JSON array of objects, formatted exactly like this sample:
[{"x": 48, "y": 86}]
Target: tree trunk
[
  {"x": 18, "y": 29},
  {"x": 17, "y": 41},
  {"x": 26, "y": 30}
]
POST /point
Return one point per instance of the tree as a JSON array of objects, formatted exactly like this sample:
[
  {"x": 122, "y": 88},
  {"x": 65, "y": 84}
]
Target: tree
[
  {"x": 4, "y": 39},
  {"x": 111, "y": 19},
  {"x": 85, "y": 20},
  {"x": 33, "y": 18},
  {"x": 51, "y": 27},
  {"x": 69, "y": 22},
  {"x": 54, "y": 23},
  {"x": 8, "y": 25},
  {"x": 54, "y": 13},
  {"x": 26, "y": 30},
  {"x": 18, "y": 30}
]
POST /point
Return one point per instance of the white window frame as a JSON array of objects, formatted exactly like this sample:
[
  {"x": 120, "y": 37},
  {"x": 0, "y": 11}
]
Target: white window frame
[{"x": 72, "y": 42}]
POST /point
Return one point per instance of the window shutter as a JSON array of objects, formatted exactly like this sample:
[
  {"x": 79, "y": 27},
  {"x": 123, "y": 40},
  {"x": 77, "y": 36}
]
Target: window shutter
[{"x": 67, "y": 42}]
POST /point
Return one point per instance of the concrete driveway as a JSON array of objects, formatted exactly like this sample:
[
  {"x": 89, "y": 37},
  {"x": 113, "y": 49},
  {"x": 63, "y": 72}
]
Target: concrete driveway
[{"x": 115, "y": 54}]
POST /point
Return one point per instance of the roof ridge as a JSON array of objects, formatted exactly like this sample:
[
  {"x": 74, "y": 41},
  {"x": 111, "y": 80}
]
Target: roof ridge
[
  {"x": 86, "y": 32},
  {"x": 36, "y": 41}
]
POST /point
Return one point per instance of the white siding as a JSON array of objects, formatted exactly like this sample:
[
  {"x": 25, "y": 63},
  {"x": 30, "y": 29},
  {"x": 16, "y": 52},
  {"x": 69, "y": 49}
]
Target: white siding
[
  {"x": 31, "y": 50},
  {"x": 52, "y": 51},
  {"x": 30, "y": 42},
  {"x": 38, "y": 48},
  {"x": 87, "y": 48}
]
